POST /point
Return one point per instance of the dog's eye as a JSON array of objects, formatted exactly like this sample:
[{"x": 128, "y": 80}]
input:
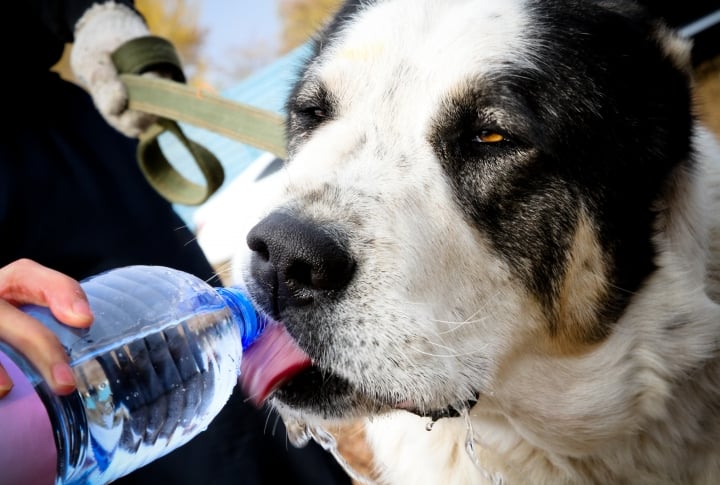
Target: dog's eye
[
  {"x": 314, "y": 112},
  {"x": 489, "y": 136}
]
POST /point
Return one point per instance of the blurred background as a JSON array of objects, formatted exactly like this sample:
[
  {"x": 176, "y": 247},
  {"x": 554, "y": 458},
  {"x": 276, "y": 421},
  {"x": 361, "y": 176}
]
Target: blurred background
[
  {"x": 222, "y": 41},
  {"x": 244, "y": 50}
]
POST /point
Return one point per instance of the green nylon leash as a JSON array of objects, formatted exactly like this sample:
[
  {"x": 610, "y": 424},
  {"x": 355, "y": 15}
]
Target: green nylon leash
[{"x": 173, "y": 101}]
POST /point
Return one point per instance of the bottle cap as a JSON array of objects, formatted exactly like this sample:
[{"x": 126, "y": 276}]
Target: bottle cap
[
  {"x": 27, "y": 452},
  {"x": 250, "y": 322}
]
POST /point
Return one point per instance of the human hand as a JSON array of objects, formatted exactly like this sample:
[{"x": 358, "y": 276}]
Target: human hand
[
  {"x": 100, "y": 31},
  {"x": 25, "y": 281}
]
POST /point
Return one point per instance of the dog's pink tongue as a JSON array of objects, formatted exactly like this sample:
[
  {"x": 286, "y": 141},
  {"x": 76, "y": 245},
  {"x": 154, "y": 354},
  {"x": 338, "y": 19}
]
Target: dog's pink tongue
[{"x": 271, "y": 360}]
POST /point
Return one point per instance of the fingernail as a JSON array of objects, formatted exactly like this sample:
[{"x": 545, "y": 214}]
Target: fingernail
[
  {"x": 64, "y": 377},
  {"x": 6, "y": 383},
  {"x": 81, "y": 308},
  {"x": 5, "y": 388}
]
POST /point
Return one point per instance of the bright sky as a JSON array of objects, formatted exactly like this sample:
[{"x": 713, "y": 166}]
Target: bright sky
[{"x": 233, "y": 25}]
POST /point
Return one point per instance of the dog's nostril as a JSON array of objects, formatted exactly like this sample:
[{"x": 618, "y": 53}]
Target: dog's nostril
[
  {"x": 300, "y": 273},
  {"x": 329, "y": 274},
  {"x": 259, "y": 248},
  {"x": 298, "y": 259}
]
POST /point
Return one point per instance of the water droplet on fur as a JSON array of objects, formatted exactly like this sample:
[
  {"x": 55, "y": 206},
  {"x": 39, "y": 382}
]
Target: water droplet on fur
[
  {"x": 494, "y": 478},
  {"x": 297, "y": 432},
  {"x": 327, "y": 441}
]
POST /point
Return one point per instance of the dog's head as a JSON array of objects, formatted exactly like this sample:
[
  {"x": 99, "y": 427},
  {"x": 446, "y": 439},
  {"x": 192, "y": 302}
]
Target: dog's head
[{"x": 471, "y": 197}]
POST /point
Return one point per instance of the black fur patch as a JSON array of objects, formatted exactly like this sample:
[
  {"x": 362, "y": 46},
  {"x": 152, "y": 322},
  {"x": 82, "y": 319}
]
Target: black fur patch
[
  {"x": 599, "y": 125},
  {"x": 298, "y": 126}
]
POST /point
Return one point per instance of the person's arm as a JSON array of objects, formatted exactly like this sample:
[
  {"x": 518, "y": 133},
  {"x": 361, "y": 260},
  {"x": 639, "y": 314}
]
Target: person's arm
[{"x": 25, "y": 281}]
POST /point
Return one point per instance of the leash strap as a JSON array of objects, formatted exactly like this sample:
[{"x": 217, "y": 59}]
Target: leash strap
[{"x": 173, "y": 101}]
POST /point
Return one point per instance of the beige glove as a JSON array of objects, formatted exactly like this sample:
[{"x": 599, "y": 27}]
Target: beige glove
[{"x": 102, "y": 29}]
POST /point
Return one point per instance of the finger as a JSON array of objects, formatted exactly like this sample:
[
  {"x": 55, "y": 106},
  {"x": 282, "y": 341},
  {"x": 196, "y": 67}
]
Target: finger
[
  {"x": 39, "y": 345},
  {"x": 26, "y": 281},
  {"x": 111, "y": 97},
  {"x": 132, "y": 123},
  {"x": 5, "y": 382}
]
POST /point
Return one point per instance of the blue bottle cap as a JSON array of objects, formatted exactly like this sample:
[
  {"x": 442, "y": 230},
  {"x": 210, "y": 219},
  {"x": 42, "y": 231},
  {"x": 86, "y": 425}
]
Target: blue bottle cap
[{"x": 250, "y": 322}]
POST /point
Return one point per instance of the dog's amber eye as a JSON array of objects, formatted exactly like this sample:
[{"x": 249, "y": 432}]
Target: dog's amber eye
[{"x": 489, "y": 136}]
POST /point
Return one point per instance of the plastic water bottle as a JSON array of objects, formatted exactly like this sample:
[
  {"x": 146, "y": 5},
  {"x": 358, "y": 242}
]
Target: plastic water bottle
[{"x": 157, "y": 365}]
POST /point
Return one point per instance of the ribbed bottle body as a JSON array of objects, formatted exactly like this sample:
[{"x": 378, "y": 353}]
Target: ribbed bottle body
[{"x": 157, "y": 365}]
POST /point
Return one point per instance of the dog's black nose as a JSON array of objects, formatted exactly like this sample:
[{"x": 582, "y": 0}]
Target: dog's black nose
[{"x": 295, "y": 261}]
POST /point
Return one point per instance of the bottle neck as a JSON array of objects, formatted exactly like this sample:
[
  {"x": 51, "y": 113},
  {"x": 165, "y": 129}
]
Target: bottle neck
[{"x": 250, "y": 322}]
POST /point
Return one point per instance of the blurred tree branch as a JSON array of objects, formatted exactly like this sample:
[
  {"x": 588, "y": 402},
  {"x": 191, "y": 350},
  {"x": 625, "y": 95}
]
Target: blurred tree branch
[{"x": 301, "y": 18}]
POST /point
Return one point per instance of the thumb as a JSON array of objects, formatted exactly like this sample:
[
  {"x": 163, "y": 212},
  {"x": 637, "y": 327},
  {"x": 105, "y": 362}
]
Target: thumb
[{"x": 25, "y": 281}]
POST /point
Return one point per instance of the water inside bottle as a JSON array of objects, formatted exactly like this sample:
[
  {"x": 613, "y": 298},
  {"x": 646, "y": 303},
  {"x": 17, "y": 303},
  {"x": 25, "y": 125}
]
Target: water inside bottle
[{"x": 153, "y": 394}]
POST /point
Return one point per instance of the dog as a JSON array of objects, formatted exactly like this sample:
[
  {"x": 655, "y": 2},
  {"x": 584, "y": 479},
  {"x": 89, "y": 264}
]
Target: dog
[{"x": 498, "y": 240}]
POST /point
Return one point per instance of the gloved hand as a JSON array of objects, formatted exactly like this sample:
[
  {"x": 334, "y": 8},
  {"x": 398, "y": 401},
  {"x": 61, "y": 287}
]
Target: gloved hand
[{"x": 102, "y": 29}]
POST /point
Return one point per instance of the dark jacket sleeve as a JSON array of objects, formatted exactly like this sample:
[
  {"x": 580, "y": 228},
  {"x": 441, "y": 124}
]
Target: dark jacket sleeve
[
  {"x": 41, "y": 30},
  {"x": 60, "y": 16}
]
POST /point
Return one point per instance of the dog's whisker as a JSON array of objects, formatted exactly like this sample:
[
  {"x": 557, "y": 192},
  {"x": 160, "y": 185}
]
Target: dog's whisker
[
  {"x": 267, "y": 422},
  {"x": 458, "y": 324},
  {"x": 275, "y": 424},
  {"x": 448, "y": 355},
  {"x": 470, "y": 320},
  {"x": 623, "y": 290}
]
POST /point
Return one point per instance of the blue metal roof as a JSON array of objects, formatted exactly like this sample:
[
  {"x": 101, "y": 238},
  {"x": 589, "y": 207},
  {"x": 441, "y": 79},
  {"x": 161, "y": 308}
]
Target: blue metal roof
[{"x": 267, "y": 89}]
